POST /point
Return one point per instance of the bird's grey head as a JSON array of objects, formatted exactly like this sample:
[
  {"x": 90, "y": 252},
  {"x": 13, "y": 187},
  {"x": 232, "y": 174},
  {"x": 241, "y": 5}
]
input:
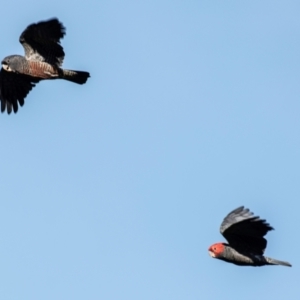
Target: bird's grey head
[{"x": 11, "y": 63}]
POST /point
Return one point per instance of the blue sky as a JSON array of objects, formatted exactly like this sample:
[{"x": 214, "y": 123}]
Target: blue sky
[{"x": 116, "y": 189}]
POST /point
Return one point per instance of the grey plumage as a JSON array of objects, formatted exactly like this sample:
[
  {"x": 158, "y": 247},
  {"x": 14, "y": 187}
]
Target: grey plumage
[{"x": 249, "y": 258}]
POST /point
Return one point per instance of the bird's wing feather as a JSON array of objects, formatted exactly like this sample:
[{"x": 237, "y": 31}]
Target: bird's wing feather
[
  {"x": 244, "y": 231},
  {"x": 14, "y": 89},
  {"x": 41, "y": 41}
]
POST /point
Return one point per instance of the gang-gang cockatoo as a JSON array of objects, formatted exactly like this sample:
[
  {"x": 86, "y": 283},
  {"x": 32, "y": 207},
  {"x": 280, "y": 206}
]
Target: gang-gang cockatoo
[{"x": 246, "y": 243}]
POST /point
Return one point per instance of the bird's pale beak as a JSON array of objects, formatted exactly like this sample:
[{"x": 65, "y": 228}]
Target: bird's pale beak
[{"x": 6, "y": 67}]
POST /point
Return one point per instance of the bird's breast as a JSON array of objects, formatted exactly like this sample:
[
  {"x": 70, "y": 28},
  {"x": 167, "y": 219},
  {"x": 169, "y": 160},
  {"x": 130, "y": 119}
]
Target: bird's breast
[{"x": 41, "y": 70}]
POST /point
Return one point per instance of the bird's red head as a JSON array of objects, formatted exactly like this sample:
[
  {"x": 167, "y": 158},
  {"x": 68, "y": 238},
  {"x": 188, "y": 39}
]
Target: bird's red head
[{"x": 216, "y": 250}]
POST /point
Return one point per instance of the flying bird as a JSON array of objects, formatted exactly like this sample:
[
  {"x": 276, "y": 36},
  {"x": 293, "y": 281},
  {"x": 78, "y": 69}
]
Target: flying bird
[
  {"x": 246, "y": 243},
  {"x": 43, "y": 59}
]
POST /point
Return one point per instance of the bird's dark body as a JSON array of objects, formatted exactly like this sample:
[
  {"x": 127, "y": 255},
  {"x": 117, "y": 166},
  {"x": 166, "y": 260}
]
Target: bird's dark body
[
  {"x": 233, "y": 256},
  {"x": 42, "y": 61},
  {"x": 248, "y": 259},
  {"x": 38, "y": 69}
]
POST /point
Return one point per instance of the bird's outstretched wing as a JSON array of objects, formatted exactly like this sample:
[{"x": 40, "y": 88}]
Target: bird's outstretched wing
[
  {"x": 41, "y": 42},
  {"x": 244, "y": 231},
  {"x": 14, "y": 89}
]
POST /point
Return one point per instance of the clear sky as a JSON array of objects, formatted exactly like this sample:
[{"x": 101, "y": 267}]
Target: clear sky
[{"x": 116, "y": 189}]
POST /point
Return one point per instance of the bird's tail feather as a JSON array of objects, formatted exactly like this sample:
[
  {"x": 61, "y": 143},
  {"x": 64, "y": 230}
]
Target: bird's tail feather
[
  {"x": 273, "y": 261},
  {"x": 79, "y": 77}
]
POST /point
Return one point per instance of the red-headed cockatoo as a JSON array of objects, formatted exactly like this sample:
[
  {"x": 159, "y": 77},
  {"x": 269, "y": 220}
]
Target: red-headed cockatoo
[{"x": 245, "y": 235}]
